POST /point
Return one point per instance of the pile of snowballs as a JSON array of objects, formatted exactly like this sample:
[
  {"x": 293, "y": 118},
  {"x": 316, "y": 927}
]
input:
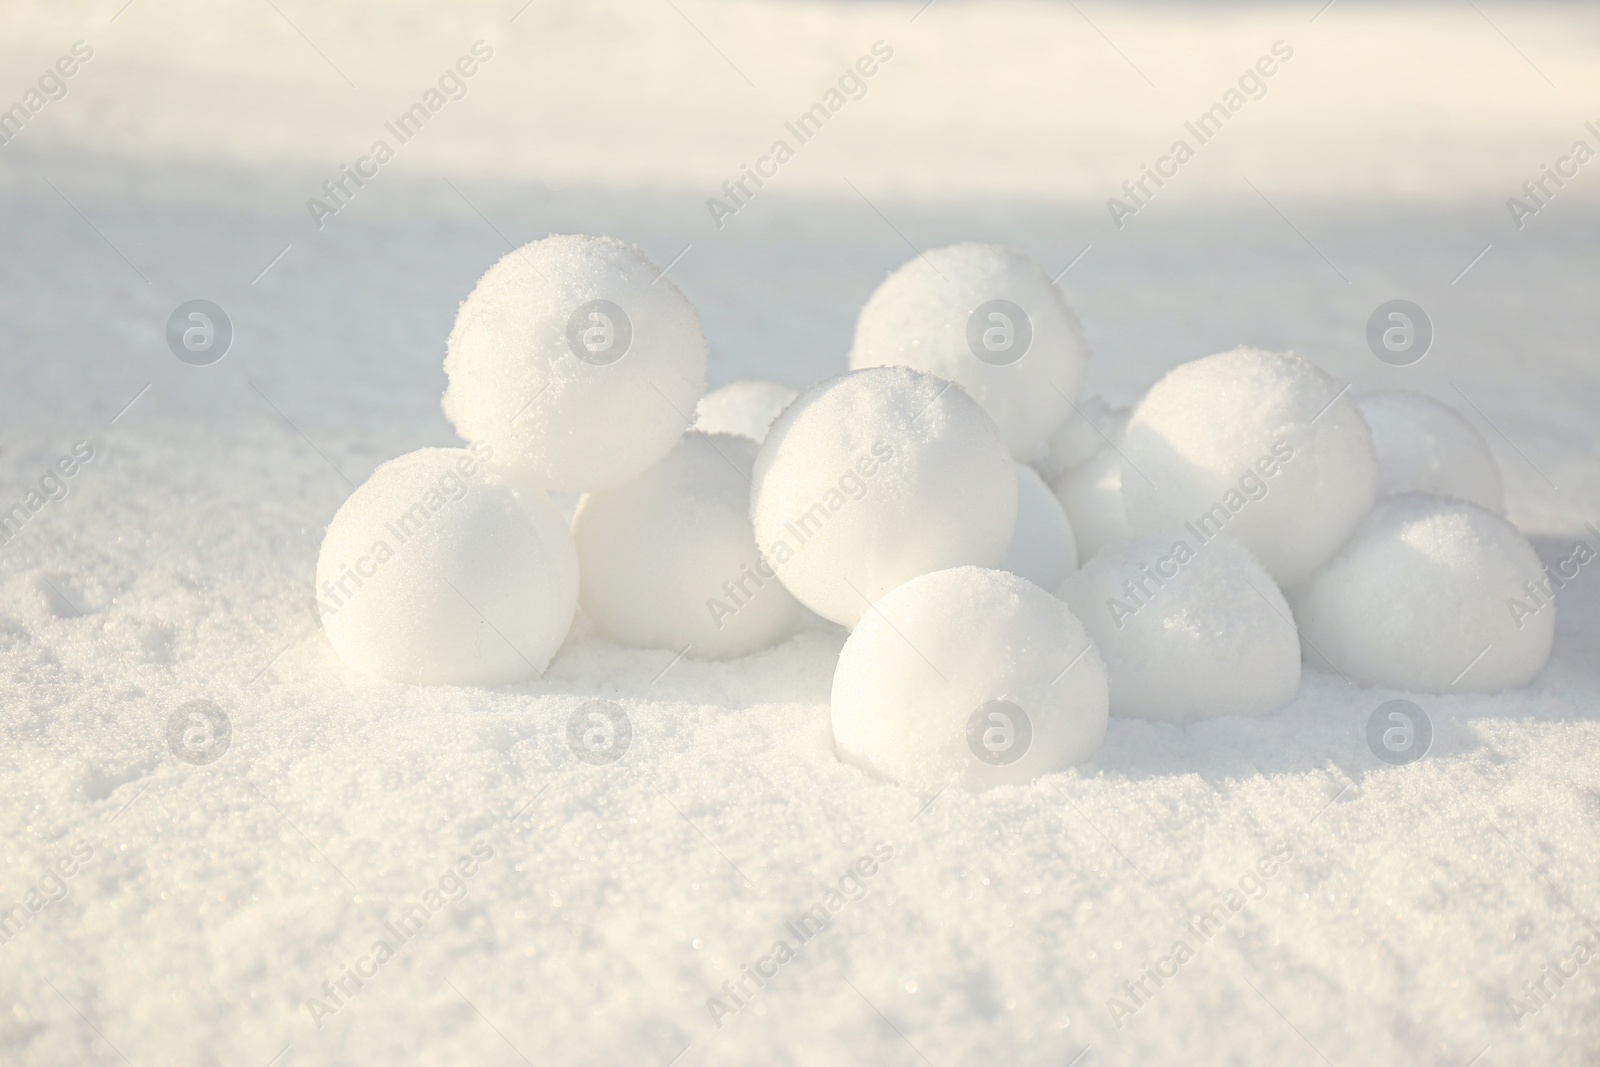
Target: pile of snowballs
[{"x": 1248, "y": 512}]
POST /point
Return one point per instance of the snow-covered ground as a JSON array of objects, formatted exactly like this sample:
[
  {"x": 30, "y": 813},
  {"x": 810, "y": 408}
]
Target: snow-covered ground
[{"x": 207, "y": 905}]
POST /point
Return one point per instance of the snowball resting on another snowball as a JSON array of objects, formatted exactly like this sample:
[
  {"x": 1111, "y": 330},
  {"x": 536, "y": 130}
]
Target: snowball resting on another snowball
[
  {"x": 989, "y": 318},
  {"x": 577, "y": 361},
  {"x": 874, "y": 477},
  {"x": 1089, "y": 424},
  {"x": 748, "y": 408},
  {"x": 1261, "y": 444},
  {"x": 1424, "y": 446},
  {"x": 968, "y": 675},
  {"x": 669, "y": 559},
  {"x": 1043, "y": 549},
  {"x": 1188, "y": 629},
  {"x": 1432, "y": 595},
  {"x": 439, "y": 570}
]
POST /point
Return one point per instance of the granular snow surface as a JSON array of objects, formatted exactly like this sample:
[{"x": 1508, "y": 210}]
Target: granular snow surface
[{"x": 539, "y": 908}]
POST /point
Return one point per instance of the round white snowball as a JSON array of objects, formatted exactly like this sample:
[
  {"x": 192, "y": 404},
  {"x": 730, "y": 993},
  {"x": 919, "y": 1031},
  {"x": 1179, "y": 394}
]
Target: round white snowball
[
  {"x": 440, "y": 571},
  {"x": 1089, "y": 424},
  {"x": 576, "y": 361},
  {"x": 1260, "y": 444},
  {"x": 747, "y": 408},
  {"x": 877, "y": 476},
  {"x": 989, "y": 318},
  {"x": 972, "y": 676},
  {"x": 1188, "y": 630},
  {"x": 1425, "y": 447},
  {"x": 669, "y": 559},
  {"x": 1043, "y": 549},
  {"x": 1432, "y": 595},
  {"x": 1090, "y": 492}
]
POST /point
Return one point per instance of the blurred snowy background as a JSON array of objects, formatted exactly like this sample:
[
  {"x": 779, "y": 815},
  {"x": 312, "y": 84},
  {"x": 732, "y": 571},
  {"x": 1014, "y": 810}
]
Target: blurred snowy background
[{"x": 176, "y": 163}]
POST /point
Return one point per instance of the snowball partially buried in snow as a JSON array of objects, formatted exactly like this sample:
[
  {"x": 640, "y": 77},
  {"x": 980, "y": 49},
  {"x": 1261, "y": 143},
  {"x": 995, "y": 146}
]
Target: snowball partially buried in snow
[
  {"x": 1433, "y": 595},
  {"x": 989, "y": 318},
  {"x": 576, "y": 361},
  {"x": 669, "y": 559},
  {"x": 437, "y": 571},
  {"x": 1259, "y": 444},
  {"x": 1424, "y": 446},
  {"x": 1188, "y": 629},
  {"x": 1043, "y": 549},
  {"x": 747, "y": 408},
  {"x": 877, "y": 476},
  {"x": 968, "y": 676}
]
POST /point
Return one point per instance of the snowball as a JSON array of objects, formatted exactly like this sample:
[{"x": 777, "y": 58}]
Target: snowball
[
  {"x": 1432, "y": 595},
  {"x": 1089, "y": 424},
  {"x": 747, "y": 408},
  {"x": 439, "y": 570},
  {"x": 1091, "y": 496},
  {"x": 1188, "y": 629},
  {"x": 576, "y": 361},
  {"x": 1425, "y": 447},
  {"x": 1261, "y": 444},
  {"x": 877, "y": 476},
  {"x": 1043, "y": 549},
  {"x": 968, "y": 675},
  {"x": 989, "y": 318},
  {"x": 1090, "y": 492},
  {"x": 669, "y": 559}
]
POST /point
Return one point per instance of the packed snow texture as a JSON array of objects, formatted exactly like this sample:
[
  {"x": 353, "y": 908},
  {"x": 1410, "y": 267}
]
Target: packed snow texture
[
  {"x": 1261, "y": 444},
  {"x": 577, "y": 360},
  {"x": 1433, "y": 595},
  {"x": 179, "y": 563},
  {"x": 874, "y": 477},
  {"x": 440, "y": 571},
  {"x": 968, "y": 676},
  {"x": 669, "y": 559},
  {"x": 987, "y": 317},
  {"x": 1043, "y": 549},
  {"x": 1424, "y": 446},
  {"x": 747, "y": 408},
  {"x": 1188, "y": 629}
]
